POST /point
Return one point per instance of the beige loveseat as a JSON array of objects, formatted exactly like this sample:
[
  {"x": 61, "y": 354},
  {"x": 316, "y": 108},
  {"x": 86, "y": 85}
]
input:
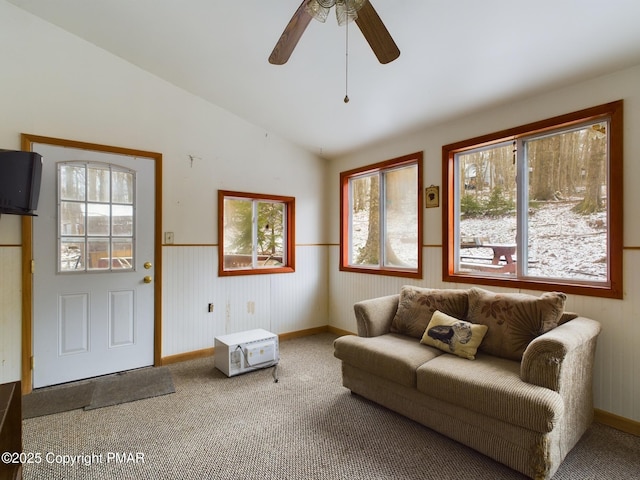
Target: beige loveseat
[{"x": 524, "y": 398}]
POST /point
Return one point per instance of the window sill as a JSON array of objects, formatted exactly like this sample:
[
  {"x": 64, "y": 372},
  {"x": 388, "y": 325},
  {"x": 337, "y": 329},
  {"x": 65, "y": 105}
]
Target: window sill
[
  {"x": 386, "y": 271},
  {"x": 591, "y": 290},
  {"x": 255, "y": 271}
]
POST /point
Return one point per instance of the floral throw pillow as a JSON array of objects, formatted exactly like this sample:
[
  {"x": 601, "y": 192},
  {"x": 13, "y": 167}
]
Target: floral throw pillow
[
  {"x": 513, "y": 319},
  {"x": 454, "y": 336},
  {"x": 417, "y": 305}
]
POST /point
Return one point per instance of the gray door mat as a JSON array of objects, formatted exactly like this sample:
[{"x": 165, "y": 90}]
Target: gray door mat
[{"x": 100, "y": 392}]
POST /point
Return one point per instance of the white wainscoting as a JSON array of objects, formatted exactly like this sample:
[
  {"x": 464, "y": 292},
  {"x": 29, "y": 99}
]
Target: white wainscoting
[
  {"x": 617, "y": 370},
  {"x": 279, "y": 303},
  {"x": 10, "y": 313}
]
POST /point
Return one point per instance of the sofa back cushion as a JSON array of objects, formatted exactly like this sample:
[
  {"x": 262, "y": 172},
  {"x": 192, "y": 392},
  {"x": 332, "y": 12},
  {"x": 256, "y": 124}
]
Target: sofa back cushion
[
  {"x": 417, "y": 304},
  {"x": 514, "y": 319}
]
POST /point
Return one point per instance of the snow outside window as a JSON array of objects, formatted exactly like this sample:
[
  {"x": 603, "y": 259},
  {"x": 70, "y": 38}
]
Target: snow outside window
[
  {"x": 381, "y": 218},
  {"x": 541, "y": 207}
]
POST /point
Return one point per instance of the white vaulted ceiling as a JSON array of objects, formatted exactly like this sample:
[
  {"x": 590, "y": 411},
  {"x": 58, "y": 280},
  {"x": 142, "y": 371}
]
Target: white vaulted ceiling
[{"x": 457, "y": 56}]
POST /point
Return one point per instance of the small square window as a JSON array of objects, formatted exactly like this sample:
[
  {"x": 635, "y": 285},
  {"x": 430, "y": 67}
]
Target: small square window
[{"x": 255, "y": 233}]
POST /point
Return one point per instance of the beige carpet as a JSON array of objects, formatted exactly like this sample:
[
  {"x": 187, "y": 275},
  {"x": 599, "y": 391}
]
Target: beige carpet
[{"x": 306, "y": 426}]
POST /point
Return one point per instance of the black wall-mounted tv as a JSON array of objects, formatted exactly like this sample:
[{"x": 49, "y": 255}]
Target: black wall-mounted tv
[{"x": 20, "y": 176}]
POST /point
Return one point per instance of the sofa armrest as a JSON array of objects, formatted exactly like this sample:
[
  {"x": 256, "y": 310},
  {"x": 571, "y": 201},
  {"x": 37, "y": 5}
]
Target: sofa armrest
[
  {"x": 562, "y": 358},
  {"x": 374, "y": 316}
]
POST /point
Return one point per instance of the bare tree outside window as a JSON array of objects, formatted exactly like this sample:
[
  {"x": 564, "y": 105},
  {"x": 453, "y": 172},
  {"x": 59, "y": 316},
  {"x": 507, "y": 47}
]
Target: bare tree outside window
[
  {"x": 566, "y": 215},
  {"x": 96, "y": 217},
  {"x": 256, "y": 233},
  {"x": 381, "y": 218},
  {"x": 540, "y": 206}
]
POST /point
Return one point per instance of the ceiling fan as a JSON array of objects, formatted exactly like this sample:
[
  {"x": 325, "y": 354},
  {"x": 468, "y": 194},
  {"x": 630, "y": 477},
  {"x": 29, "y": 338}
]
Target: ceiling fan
[{"x": 361, "y": 11}]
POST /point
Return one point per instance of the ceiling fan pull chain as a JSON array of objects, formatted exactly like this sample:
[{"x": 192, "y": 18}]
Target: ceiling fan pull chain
[{"x": 346, "y": 65}]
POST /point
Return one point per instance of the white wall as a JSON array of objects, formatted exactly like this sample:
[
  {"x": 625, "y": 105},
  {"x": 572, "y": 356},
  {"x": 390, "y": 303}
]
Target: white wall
[
  {"x": 57, "y": 85},
  {"x": 617, "y": 373}
]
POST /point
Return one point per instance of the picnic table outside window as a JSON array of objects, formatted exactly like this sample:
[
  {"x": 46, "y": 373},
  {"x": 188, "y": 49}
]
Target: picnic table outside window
[{"x": 502, "y": 252}]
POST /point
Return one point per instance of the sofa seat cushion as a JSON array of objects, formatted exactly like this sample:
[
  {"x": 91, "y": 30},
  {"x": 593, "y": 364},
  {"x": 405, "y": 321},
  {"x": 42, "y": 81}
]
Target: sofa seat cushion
[
  {"x": 491, "y": 386},
  {"x": 391, "y": 356}
]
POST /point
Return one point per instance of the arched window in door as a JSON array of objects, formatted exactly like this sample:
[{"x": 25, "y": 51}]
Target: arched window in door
[{"x": 96, "y": 217}]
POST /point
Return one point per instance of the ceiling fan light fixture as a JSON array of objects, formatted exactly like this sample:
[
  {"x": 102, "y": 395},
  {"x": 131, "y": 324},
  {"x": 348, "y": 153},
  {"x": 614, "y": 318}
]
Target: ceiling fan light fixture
[
  {"x": 319, "y": 9},
  {"x": 347, "y": 10}
]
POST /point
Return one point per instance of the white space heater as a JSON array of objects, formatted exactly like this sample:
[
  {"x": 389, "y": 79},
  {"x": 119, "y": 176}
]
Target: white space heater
[{"x": 244, "y": 352}]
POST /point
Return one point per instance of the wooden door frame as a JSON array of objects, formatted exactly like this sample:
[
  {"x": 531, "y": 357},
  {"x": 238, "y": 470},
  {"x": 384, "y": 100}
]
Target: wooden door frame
[{"x": 27, "y": 140}]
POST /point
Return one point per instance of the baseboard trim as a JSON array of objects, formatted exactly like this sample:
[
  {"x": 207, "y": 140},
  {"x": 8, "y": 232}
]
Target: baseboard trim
[
  {"x": 303, "y": 333},
  {"x": 183, "y": 357},
  {"x": 208, "y": 352},
  {"x": 615, "y": 421},
  {"x": 339, "y": 331}
]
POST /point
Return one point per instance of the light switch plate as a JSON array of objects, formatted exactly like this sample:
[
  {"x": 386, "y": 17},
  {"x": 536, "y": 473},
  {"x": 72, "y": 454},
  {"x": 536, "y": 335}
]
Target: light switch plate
[{"x": 168, "y": 238}]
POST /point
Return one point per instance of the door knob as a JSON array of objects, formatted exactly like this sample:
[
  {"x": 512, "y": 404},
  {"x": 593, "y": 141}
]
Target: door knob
[
  {"x": 148, "y": 265},
  {"x": 147, "y": 279}
]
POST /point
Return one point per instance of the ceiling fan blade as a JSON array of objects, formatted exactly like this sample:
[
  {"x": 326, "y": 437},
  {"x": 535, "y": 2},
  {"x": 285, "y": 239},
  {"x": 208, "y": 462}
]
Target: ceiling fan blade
[
  {"x": 291, "y": 35},
  {"x": 377, "y": 34}
]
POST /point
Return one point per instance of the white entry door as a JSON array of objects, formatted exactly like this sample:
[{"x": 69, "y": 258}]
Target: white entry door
[{"x": 93, "y": 247}]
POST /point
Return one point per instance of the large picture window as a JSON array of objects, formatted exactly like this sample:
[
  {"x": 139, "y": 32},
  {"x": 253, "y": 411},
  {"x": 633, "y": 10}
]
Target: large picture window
[
  {"x": 255, "y": 233},
  {"x": 381, "y": 218},
  {"x": 539, "y": 206}
]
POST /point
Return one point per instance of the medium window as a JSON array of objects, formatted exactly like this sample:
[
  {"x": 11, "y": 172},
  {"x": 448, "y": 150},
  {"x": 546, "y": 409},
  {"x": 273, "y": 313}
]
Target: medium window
[
  {"x": 255, "y": 233},
  {"x": 381, "y": 220},
  {"x": 539, "y": 205},
  {"x": 96, "y": 217}
]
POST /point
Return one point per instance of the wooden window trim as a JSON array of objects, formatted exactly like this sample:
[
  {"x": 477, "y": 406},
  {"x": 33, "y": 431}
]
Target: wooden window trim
[
  {"x": 614, "y": 288},
  {"x": 414, "y": 158},
  {"x": 290, "y": 203}
]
